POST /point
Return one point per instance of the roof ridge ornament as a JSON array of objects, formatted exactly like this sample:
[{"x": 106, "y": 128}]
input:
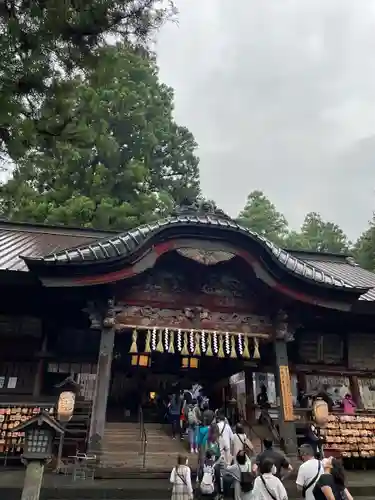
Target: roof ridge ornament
[{"x": 200, "y": 207}]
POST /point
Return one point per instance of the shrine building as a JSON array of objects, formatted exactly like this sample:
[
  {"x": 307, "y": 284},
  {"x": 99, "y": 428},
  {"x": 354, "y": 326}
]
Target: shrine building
[{"x": 194, "y": 298}]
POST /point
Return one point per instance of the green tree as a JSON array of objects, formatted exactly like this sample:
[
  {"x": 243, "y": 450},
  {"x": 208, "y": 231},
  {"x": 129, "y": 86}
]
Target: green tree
[
  {"x": 260, "y": 215},
  {"x": 319, "y": 236},
  {"x": 364, "y": 248},
  {"x": 45, "y": 44},
  {"x": 120, "y": 161}
]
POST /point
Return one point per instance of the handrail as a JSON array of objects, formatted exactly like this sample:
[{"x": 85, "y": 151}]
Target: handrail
[{"x": 142, "y": 436}]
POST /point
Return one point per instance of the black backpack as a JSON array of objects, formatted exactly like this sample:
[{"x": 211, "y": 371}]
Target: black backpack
[{"x": 247, "y": 481}]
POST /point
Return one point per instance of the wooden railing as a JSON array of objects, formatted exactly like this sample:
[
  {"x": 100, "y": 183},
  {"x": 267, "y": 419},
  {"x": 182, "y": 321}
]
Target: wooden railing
[{"x": 142, "y": 437}]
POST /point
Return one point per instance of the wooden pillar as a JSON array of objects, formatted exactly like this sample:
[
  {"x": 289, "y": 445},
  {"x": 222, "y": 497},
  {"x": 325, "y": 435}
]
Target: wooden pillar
[
  {"x": 38, "y": 381},
  {"x": 250, "y": 397},
  {"x": 103, "y": 379},
  {"x": 287, "y": 425}
]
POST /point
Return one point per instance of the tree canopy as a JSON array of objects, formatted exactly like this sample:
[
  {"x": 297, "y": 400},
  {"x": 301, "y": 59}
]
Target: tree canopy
[
  {"x": 315, "y": 234},
  {"x": 119, "y": 162},
  {"x": 260, "y": 215},
  {"x": 364, "y": 248},
  {"x": 45, "y": 44}
]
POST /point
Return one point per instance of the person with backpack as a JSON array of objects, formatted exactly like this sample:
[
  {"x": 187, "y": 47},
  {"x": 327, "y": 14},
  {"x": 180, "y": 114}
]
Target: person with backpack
[
  {"x": 207, "y": 476},
  {"x": 242, "y": 477},
  {"x": 192, "y": 413},
  {"x": 267, "y": 486},
  {"x": 241, "y": 442}
]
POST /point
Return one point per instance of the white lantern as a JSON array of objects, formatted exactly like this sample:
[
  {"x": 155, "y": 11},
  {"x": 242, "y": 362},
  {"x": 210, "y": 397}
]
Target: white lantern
[{"x": 65, "y": 406}]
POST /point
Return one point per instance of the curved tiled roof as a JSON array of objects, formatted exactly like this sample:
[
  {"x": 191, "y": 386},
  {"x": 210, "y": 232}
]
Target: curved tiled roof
[{"x": 122, "y": 246}]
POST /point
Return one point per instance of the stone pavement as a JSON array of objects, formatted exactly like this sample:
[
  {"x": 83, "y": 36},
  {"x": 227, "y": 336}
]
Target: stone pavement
[{"x": 361, "y": 485}]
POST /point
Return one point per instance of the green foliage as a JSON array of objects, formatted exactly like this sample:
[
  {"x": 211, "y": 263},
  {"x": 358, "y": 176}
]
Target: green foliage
[
  {"x": 364, "y": 248},
  {"x": 119, "y": 162},
  {"x": 319, "y": 236},
  {"x": 315, "y": 234},
  {"x": 260, "y": 215},
  {"x": 45, "y": 45}
]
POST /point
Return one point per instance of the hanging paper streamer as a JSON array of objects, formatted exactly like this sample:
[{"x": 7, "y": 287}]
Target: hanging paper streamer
[
  {"x": 197, "y": 350},
  {"x": 233, "y": 353},
  {"x": 215, "y": 347},
  {"x": 133, "y": 347},
  {"x": 179, "y": 341},
  {"x": 171, "y": 343},
  {"x": 240, "y": 344},
  {"x": 204, "y": 345},
  {"x": 191, "y": 341},
  {"x": 256, "y": 349},
  {"x": 185, "y": 350},
  {"x": 153, "y": 339},
  {"x": 166, "y": 340},
  {"x": 220, "y": 353},
  {"x": 159, "y": 347},
  {"x": 227, "y": 344},
  {"x": 209, "y": 347},
  {"x": 246, "y": 353},
  {"x": 148, "y": 342}
]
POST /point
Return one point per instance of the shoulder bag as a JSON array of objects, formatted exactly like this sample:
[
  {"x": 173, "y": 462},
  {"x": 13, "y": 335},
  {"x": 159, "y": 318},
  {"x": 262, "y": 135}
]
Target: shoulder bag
[
  {"x": 268, "y": 491},
  {"x": 307, "y": 486}
]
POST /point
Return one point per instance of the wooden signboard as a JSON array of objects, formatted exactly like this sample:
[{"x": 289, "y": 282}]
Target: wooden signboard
[{"x": 286, "y": 394}]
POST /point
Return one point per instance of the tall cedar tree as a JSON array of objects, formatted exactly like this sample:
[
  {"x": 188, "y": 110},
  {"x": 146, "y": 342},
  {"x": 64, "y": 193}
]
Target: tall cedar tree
[
  {"x": 119, "y": 162},
  {"x": 44, "y": 44}
]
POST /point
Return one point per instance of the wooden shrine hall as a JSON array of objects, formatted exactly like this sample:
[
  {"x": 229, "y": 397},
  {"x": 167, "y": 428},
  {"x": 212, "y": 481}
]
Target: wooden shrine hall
[{"x": 191, "y": 298}]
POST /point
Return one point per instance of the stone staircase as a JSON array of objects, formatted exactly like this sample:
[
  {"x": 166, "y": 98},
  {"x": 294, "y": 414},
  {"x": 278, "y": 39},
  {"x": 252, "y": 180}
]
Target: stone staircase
[{"x": 122, "y": 448}]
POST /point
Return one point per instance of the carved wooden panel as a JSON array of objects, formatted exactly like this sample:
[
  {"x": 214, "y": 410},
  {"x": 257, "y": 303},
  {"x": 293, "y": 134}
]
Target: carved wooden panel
[
  {"x": 192, "y": 318},
  {"x": 177, "y": 284},
  {"x": 361, "y": 351}
]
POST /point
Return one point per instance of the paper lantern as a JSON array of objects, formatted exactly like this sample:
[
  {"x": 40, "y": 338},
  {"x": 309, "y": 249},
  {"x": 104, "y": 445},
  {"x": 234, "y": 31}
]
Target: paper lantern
[
  {"x": 320, "y": 412},
  {"x": 65, "y": 406}
]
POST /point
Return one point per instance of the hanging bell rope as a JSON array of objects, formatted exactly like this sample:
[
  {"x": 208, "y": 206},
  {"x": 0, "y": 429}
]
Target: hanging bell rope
[
  {"x": 171, "y": 342},
  {"x": 220, "y": 353},
  {"x": 246, "y": 352},
  {"x": 148, "y": 342},
  {"x": 197, "y": 350},
  {"x": 256, "y": 349},
  {"x": 209, "y": 345},
  {"x": 233, "y": 353},
  {"x": 133, "y": 347},
  {"x": 185, "y": 349},
  {"x": 159, "y": 347}
]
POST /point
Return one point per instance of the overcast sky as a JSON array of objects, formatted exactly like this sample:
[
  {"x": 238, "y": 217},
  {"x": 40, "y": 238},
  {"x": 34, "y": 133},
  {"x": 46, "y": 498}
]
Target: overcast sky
[{"x": 280, "y": 95}]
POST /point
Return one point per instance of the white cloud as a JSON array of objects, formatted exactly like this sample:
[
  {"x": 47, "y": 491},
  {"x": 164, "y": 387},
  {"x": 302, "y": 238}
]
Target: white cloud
[{"x": 275, "y": 93}]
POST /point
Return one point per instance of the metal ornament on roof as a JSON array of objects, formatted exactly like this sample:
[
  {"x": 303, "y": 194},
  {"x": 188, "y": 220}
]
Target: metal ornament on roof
[{"x": 196, "y": 343}]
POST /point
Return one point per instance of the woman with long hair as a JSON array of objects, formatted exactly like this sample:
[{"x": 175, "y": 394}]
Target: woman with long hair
[
  {"x": 331, "y": 484},
  {"x": 181, "y": 480}
]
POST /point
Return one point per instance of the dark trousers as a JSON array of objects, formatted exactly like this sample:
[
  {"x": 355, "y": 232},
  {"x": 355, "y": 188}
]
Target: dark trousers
[{"x": 175, "y": 422}]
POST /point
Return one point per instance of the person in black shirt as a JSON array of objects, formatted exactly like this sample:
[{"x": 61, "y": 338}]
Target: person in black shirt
[
  {"x": 277, "y": 457},
  {"x": 331, "y": 484}
]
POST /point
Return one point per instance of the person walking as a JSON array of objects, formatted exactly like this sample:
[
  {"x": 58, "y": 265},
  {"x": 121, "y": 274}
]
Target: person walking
[
  {"x": 225, "y": 436},
  {"x": 181, "y": 480},
  {"x": 174, "y": 415},
  {"x": 331, "y": 484},
  {"x": 242, "y": 477},
  {"x": 193, "y": 416},
  {"x": 240, "y": 442},
  {"x": 309, "y": 472},
  {"x": 278, "y": 458},
  {"x": 267, "y": 486}
]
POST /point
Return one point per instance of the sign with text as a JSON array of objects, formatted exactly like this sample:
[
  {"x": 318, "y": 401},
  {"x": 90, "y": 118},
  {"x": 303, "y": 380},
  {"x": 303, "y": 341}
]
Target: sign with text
[{"x": 286, "y": 394}]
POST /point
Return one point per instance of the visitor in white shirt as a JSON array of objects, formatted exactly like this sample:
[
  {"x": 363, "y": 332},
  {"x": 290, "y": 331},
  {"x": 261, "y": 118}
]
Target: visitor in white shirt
[
  {"x": 225, "y": 437},
  {"x": 309, "y": 472}
]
